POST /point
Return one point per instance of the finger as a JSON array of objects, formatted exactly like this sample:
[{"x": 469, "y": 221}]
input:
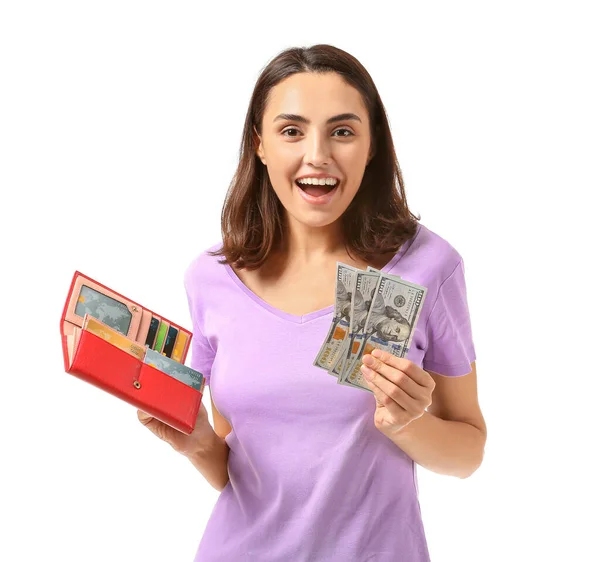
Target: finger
[
  {"x": 380, "y": 396},
  {"x": 157, "y": 427},
  {"x": 414, "y": 372},
  {"x": 386, "y": 395},
  {"x": 395, "y": 376},
  {"x": 144, "y": 417}
]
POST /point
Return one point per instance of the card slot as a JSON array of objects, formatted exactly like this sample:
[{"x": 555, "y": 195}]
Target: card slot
[
  {"x": 161, "y": 336},
  {"x": 144, "y": 326},
  {"x": 103, "y": 303},
  {"x": 113, "y": 370}
]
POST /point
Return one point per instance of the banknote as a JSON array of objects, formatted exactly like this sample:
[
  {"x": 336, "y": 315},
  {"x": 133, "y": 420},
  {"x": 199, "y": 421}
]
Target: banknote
[
  {"x": 340, "y": 359},
  {"x": 335, "y": 341},
  {"x": 362, "y": 296},
  {"x": 390, "y": 323},
  {"x": 352, "y": 346}
]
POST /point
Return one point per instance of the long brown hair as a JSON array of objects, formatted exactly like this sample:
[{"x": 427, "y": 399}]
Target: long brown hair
[{"x": 377, "y": 221}]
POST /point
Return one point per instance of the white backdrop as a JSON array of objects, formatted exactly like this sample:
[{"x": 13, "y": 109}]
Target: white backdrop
[{"x": 120, "y": 125}]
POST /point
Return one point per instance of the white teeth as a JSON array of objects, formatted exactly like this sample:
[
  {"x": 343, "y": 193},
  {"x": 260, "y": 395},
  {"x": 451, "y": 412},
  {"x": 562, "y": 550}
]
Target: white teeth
[{"x": 317, "y": 181}]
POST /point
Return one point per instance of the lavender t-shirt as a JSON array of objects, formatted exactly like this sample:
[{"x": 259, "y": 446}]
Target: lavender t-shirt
[{"x": 311, "y": 479}]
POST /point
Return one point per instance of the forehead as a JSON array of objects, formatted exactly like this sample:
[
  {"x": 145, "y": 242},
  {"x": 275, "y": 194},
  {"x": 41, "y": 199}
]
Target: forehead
[{"x": 316, "y": 96}]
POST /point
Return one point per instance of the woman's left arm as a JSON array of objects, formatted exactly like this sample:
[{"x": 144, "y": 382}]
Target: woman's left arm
[{"x": 449, "y": 437}]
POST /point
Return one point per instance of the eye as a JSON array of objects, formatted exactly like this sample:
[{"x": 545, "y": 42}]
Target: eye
[
  {"x": 350, "y": 133},
  {"x": 286, "y": 131}
]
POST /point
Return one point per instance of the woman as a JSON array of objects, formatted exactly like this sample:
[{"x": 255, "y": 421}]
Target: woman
[{"x": 311, "y": 470}]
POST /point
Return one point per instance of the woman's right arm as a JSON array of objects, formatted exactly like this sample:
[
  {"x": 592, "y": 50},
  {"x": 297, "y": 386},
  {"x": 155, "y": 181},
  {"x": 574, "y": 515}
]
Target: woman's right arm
[{"x": 211, "y": 462}]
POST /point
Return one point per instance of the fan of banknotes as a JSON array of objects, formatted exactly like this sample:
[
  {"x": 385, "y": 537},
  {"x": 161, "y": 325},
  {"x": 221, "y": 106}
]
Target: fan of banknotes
[{"x": 372, "y": 310}]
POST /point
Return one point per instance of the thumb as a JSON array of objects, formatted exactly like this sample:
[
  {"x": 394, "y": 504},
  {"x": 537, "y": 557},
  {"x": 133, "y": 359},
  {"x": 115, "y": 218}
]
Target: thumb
[
  {"x": 159, "y": 428},
  {"x": 146, "y": 419}
]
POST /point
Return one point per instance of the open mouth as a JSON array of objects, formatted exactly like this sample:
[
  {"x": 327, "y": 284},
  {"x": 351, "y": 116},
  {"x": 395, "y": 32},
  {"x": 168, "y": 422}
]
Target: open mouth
[{"x": 316, "y": 190}]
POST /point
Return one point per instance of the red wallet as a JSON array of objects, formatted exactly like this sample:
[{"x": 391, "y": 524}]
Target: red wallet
[{"x": 119, "y": 370}]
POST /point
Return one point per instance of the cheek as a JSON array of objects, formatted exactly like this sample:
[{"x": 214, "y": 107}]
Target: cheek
[
  {"x": 283, "y": 167},
  {"x": 282, "y": 183},
  {"x": 351, "y": 186},
  {"x": 354, "y": 170}
]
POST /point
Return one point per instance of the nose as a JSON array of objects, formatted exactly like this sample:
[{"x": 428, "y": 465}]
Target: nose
[{"x": 318, "y": 151}]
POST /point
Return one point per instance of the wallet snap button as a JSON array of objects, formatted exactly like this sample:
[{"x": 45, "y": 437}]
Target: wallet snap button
[{"x": 137, "y": 384}]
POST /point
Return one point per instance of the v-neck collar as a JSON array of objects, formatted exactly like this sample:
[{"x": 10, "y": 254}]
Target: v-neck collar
[{"x": 304, "y": 318}]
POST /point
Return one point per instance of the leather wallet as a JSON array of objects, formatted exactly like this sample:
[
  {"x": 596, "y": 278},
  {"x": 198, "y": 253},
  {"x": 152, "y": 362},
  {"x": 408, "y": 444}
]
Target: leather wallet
[{"x": 113, "y": 358}]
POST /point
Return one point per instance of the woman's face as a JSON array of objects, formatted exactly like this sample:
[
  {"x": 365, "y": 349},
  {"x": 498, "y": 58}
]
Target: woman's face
[{"x": 304, "y": 143}]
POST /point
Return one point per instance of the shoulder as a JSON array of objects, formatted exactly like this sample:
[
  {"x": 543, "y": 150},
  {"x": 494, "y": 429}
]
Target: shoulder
[
  {"x": 431, "y": 248},
  {"x": 202, "y": 266}
]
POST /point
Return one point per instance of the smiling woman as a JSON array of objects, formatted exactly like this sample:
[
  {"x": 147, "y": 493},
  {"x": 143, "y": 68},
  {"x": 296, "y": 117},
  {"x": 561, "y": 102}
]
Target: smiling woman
[
  {"x": 288, "y": 156},
  {"x": 314, "y": 470},
  {"x": 315, "y": 113}
]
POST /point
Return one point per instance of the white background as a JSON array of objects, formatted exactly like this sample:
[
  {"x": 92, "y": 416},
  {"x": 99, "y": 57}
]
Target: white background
[{"x": 120, "y": 125}]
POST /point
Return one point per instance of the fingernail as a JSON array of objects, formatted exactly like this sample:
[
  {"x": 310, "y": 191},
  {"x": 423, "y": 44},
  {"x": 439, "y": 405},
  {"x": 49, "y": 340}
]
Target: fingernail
[{"x": 368, "y": 360}]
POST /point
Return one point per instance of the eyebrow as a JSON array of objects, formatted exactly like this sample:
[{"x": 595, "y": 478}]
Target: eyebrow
[{"x": 334, "y": 119}]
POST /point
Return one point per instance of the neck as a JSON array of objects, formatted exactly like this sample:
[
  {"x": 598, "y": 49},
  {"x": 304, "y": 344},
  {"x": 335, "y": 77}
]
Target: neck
[{"x": 309, "y": 244}]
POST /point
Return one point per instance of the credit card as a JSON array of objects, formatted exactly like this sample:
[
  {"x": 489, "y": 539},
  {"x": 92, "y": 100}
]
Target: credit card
[
  {"x": 112, "y": 336},
  {"x": 160, "y": 337},
  {"x": 179, "y": 346},
  {"x": 186, "y": 375},
  {"x": 170, "y": 341},
  {"x": 109, "y": 311},
  {"x": 154, "y": 323}
]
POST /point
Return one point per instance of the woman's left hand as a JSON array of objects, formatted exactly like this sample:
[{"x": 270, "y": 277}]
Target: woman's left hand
[{"x": 402, "y": 389}]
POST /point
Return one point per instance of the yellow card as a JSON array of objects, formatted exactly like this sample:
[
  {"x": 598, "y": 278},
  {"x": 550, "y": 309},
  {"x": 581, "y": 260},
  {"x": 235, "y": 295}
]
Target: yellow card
[
  {"x": 113, "y": 337},
  {"x": 179, "y": 346}
]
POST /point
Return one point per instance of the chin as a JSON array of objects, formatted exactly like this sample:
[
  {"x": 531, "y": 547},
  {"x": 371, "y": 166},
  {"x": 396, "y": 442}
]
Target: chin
[{"x": 314, "y": 221}]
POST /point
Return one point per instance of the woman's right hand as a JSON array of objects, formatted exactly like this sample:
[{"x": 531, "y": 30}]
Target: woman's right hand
[{"x": 183, "y": 443}]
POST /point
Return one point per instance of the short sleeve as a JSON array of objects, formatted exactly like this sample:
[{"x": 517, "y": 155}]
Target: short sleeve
[
  {"x": 450, "y": 348},
  {"x": 202, "y": 353}
]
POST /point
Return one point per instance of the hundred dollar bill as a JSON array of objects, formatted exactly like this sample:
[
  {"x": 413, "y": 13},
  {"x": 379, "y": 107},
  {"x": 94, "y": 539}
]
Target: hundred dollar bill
[
  {"x": 352, "y": 347},
  {"x": 390, "y": 323},
  {"x": 340, "y": 324},
  {"x": 362, "y": 296},
  {"x": 340, "y": 359}
]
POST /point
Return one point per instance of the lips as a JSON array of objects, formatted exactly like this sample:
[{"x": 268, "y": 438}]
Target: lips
[
  {"x": 318, "y": 197},
  {"x": 316, "y": 190}
]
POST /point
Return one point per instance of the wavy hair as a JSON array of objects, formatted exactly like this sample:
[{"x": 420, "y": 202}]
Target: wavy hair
[{"x": 377, "y": 221}]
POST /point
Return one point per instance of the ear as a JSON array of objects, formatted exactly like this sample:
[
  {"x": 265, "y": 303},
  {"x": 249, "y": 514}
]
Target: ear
[
  {"x": 371, "y": 154},
  {"x": 258, "y": 144}
]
